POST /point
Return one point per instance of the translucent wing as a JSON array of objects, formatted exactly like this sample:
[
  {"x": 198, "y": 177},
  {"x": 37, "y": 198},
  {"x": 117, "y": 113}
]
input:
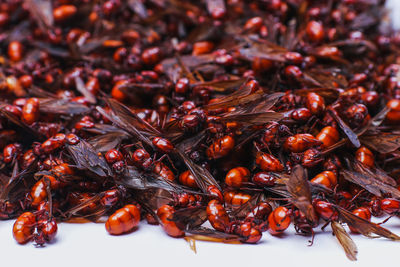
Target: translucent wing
[
  {"x": 87, "y": 158},
  {"x": 299, "y": 188},
  {"x": 345, "y": 240},
  {"x": 365, "y": 227}
]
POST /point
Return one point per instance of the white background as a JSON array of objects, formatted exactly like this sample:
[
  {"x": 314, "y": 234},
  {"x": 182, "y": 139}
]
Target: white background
[{"x": 90, "y": 245}]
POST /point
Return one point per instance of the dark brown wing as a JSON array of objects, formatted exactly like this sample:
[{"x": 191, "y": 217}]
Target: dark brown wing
[
  {"x": 190, "y": 218},
  {"x": 173, "y": 70},
  {"x": 138, "y": 7},
  {"x": 41, "y": 93},
  {"x": 351, "y": 43},
  {"x": 257, "y": 102},
  {"x": 299, "y": 188},
  {"x": 201, "y": 175},
  {"x": 324, "y": 78},
  {"x": 81, "y": 87},
  {"x": 211, "y": 235},
  {"x": 123, "y": 123},
  {"x": 363, "y": 226},
  {"x": 375, "y": 172},
  {"x": 87, "y": 158},
  {"x": 245, "y": 208},
  {"x": 368, "y": 181},
  {"x": 375, "y": 121},
  {"x": 239, "y": 97},
  {"x": 42, "y": 12},
  {"x": 264, "y": 50},
  {"x": 330, "y": 94},
  {"x": 345, "y": 241},
  {"x": 53, "y": 50},
  {"x": 135, "y": 179},
  {"x": 382, "y": 142},
  {"x": 129, "y": 118},
  {"x": 222, "y": 86},
  {"x": 94, "y": 215},
  {"x": 187, "y": 145},
  {"x": 215, "y": 5},
  {"x": 61, "y": 106},
  {"x": 26, "y": 128},
  {"x": 105, "y": 142},
  {"x": 12, "y": 188},
  {"x": 253, "y": 118},
  {"x": 99, "y": 129},
  {"x": 346, "y": 129}
]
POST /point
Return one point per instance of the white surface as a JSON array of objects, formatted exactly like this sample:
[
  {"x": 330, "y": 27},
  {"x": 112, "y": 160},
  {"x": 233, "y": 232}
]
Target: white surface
[{"x": 90, "y": 245}]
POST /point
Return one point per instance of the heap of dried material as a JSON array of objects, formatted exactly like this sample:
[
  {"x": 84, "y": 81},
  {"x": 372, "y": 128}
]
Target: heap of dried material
[{"x": 251, "y": 115}]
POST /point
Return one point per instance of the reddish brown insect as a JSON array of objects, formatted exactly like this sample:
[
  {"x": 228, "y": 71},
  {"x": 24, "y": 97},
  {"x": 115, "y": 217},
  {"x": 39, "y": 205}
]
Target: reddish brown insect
[
  {"x": 365, "y": 156},
  {"x": 11, "y": 152},
  {"x": 39, "y": 190},
  {"x": 217, "y": 215},
  {"x": 110, "y": 198},
  {"x": 72, "y": 139},
  {"x": 279, "y": 220},
  {"x": 15, "y": 51},
  {"x": 142, "y": 158},
  {"x": 315, "y": 31},
  {"x": 123, "y": 220},
  {"x": 326, "y": 210},
  {"x": 237, "y": 177},
  {"x": 182, "y": 86},
  {"x": 26, "y": 81},
  {"x": 361, "y": 212},
  {"x": 326, "y": 178},
  {"x": 268, "y": 162},
  {"x": 259, "y": 213},
  {"x": 62, "y": 169},
  {"x": 53, "y": 143},
  {"x": 328, "y": 136},
  {"x": 236, "y": 198},
  {"x": 293, "y": 72},
  {"x": 221, "y": 147},
  {"x": 17, "y": 111},
  {"x": 163, "y": 144},
  {"x": 253, "y": 24},
  {"x": 315, "y": 103},
  {"x": 300, "y": 142},
  {"x": 113, "y": 156},
  {"x": 93, "y": 85},
  {"x": 301, "y": 114},
  {"x": 264, "y": 179},
  {"x": 390, "y": 206},
  {"x": 64, "y": 12},
  {"x": 311, "y": 157},
  {"x": 23, "y": 227},
  {"x": 186, "y": 178},
  {"x": 357, "y": 115},
  {"x": 200, "y": 48},
  {"x": 117, "y": 90},
  {"x": 164, "y": 171},
  {"x": 249, "y": 233},
  {"x": 151, "y": 55},
  {"x": 47, "y": 231},
  {"x": 28, "y": 158},
  {"x": 30, "y": 111},
  {"x": 393, "y": 116},
  {"x": 214, "y": 192},
  {"x": 165, "y": 213}
]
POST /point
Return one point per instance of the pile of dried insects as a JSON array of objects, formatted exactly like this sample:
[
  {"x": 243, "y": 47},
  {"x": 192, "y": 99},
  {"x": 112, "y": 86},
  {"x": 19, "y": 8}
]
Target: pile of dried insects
[{"x": 251, "y": 115}]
